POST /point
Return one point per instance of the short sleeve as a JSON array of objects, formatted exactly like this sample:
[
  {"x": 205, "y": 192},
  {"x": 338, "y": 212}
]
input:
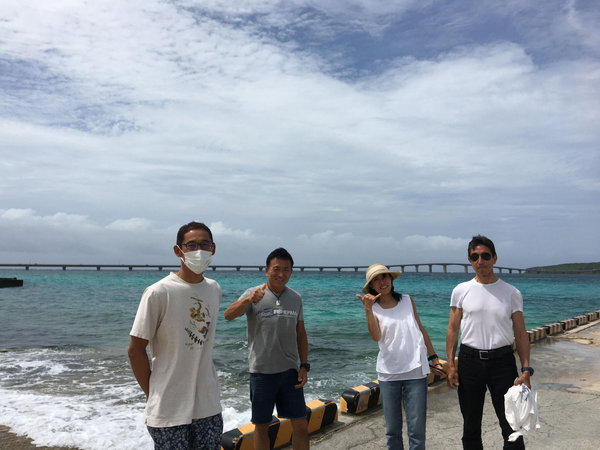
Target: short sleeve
[
  {"x": 148, "y": 316},
  {"x": 516, "y": 301},
  {"x": 456, "y": 298}
]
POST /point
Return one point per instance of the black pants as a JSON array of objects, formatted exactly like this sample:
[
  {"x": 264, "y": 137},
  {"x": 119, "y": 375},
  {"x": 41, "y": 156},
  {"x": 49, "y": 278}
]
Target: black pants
[{"x": 475, "y": 376}]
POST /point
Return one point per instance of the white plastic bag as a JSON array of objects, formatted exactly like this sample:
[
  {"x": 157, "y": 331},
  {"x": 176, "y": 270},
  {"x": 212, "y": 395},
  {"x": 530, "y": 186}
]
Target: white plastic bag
[{"x": 521, "y": 410}]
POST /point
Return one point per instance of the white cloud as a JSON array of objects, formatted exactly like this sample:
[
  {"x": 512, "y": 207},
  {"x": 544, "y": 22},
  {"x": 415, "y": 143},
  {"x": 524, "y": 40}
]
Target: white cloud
[
  {"x": 436, "y": 243},
  {"x": 133, "y": 224},
  {"x": 16, "y": 214},
  {"x": 222, "y": 231},
  {"x": 57, "y": 220},
  {"x": 129, "y": 116}
]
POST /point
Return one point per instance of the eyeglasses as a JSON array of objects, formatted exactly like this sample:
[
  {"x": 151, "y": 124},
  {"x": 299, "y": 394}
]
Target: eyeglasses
[
  {"x": 485, "y": 256},
  {"x": 203, "y": 245}
]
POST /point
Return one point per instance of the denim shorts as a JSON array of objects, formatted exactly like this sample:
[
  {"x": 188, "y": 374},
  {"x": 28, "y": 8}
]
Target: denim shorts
[
  {"x": 276, "y": 389},
  {"x": 201, "y": 434}
]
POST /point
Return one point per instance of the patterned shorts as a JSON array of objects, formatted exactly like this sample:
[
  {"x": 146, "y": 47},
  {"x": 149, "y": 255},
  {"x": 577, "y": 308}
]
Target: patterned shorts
[{"x": 201, "y": 434}]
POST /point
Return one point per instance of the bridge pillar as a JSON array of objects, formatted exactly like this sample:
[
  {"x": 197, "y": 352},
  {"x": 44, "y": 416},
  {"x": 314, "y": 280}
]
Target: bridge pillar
[
  {"x": 466, "y": 268},
  {"x": 445, "y": 266},
  {"x": 64, "y": 268},
  {"x": 430, "y": 267}
]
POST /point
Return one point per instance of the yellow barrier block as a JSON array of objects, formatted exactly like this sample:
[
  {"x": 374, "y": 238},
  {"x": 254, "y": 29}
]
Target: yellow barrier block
[
  {"x": 568, "y": 324},
  {"x": 319, "y": 413},
  {"x": 360, "y": 398},
  {"x": 581, "y": 320},
  {"x": 536, "y": 334},
  {"x": 240, "y": 438},
  {"x": 553, "y": 328},
  {"x": 540, "y": 333},
  {"x": 284, "y": 433}
]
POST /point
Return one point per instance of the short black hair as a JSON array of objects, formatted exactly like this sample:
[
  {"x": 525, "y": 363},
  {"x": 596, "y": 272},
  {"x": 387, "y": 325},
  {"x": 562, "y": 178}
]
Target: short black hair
[
  {"x": 481, "y": 240},
  {"x": 280, "y": 253},
  {"x": 189, "y": 227}
]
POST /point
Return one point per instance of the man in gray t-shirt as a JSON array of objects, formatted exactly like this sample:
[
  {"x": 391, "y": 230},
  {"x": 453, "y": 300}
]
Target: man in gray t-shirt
[
  {"x": 278, "y": 350},
  {"x": 272, "y": 324}
]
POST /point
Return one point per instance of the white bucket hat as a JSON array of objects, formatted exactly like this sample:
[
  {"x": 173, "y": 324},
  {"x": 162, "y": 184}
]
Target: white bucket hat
[{"x": 378, "y": 269}]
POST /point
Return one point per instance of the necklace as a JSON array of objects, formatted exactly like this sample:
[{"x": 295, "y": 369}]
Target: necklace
[{"x": 277, "y": 296}]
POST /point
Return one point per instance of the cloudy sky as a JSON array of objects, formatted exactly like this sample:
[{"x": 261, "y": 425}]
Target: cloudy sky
[{"x": 349, "y": 132}]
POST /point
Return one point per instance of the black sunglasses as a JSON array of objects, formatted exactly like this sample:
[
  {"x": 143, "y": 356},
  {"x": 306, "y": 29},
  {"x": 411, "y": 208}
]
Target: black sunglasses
[{"x": 485, "y": 256}]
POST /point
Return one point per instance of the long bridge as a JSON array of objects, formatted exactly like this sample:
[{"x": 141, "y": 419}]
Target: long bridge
[{"x": 428, "y": 267}]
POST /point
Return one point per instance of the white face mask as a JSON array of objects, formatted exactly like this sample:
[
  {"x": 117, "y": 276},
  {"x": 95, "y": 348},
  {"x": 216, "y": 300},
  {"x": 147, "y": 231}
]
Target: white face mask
[{"x": 197, "y": 261}]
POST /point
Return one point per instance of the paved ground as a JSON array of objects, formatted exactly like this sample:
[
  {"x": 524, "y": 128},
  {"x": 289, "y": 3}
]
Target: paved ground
[{"x": 567, "y": 379}]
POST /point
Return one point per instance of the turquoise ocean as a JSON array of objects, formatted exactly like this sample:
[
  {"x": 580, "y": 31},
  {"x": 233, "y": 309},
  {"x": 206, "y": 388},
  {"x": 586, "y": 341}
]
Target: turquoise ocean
[{"x": 65, "y": 378}]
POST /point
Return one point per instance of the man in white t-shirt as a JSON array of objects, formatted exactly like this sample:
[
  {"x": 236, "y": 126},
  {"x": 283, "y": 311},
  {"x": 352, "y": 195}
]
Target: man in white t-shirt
[
  {"x": 489, "y": 313},
  {"x": 177, "y": 316}
]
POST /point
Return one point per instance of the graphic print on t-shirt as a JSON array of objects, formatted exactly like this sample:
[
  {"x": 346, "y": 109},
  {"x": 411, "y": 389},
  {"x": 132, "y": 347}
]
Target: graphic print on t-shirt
[
  {"x": 271, "y": 312},
  {"x": 199, "y": 323}
]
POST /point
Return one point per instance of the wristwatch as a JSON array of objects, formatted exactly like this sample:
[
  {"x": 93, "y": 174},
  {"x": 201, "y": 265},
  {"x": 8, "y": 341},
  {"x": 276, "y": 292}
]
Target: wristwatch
[
  {"x": 305, "y": 366},
  {"x": 528, "y": 369}
]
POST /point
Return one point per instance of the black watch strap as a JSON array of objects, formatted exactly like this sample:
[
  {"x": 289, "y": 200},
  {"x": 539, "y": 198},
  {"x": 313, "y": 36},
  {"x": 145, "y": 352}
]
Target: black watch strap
[
  {"x": 305, "y": 366},
  {"x": 528, "y": 369}
]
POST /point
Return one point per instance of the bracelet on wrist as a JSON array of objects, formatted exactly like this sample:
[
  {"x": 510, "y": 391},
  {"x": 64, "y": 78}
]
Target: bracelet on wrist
[{"x": 432, "y": 357}]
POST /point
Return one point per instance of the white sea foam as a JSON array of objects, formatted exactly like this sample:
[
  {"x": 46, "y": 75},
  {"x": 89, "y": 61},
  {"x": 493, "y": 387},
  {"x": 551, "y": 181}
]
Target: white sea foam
[
  {"x": 83, "y": 397},
  {"x": 86, "y": 422},
  {"x": 79, "y": 421},
  {"x": 43, "y": 366}
]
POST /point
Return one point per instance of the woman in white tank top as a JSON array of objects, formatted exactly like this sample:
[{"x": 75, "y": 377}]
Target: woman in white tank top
[{"x": 403, "y": 361}]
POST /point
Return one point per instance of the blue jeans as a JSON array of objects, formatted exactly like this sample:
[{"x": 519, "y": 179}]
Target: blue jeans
[{"x": 413, "y": 393}]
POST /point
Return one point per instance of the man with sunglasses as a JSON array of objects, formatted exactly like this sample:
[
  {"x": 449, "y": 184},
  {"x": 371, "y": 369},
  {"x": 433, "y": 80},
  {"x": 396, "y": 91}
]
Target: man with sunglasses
[
  {"x": 177, "y": 316},
  {"x": 489, "y": 313}
]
